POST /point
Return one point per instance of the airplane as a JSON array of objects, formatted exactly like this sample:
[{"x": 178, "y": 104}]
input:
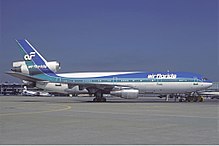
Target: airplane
[
  {"x": 126, "y": 85},
  {"x": 26, "y": 92}
]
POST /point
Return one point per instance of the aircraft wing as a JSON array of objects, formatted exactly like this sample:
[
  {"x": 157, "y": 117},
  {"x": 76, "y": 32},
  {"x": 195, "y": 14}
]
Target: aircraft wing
[
  {"x": 101, "y": 86},
  {"x": 23, "y": 76}
]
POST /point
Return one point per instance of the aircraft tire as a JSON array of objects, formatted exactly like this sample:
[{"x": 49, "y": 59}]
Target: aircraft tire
[
  {"x": 103, "y": 99},
  {"x": 195, "y": 99},
  {"x": 99, "y": 99},
  {"x": 95, "y": 99},
  {"x": 201, "y": 99},
  {"x": 188, "y": 99}
]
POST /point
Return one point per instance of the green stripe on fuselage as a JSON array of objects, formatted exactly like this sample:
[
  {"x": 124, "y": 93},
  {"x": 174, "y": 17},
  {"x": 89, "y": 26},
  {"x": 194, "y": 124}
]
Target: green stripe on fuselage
[{"x": 109, "y": 80}]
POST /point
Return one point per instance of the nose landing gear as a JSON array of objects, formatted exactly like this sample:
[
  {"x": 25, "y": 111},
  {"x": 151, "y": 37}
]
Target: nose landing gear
[
  {"x": 99, "y": 97},
  {"x": 194, "y": 99},
  {"x": 191, "y": 99}
]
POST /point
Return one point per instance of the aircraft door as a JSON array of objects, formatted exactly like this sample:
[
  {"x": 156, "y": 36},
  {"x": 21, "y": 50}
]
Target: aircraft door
[
  {"x": 115, "y": 80},
  {"x": 195, "y": 81},
  {"x": 58, "y": 79},
  {"x": 159, "y": 82},
  {"x": 159, "y": 85}
]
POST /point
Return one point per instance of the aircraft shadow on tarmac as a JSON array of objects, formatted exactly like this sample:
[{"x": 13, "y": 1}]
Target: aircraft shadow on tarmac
[
  {"x": 89, "y": 100},
  {"x": 72, "y": 100}
]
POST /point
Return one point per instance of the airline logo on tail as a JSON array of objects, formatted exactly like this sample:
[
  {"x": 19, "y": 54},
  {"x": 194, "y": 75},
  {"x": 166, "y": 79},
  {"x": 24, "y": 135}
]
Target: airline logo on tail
[
  {"x": 36, "y": 64},
  {"x": 30, "y": 56}
]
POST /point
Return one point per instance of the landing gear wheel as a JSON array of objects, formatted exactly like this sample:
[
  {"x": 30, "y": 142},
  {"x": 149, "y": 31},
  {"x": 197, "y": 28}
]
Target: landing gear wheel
[
  {"x": 189, "y": 99},
  {"x": 99, "y": 97},
  {"x": 95, "y": 99},
  {"x": 192, "y": 99},
  {"x": 195, "y": 99},
  {"x": 103, "y": 99},
  {"x": 200, "y": 99}
]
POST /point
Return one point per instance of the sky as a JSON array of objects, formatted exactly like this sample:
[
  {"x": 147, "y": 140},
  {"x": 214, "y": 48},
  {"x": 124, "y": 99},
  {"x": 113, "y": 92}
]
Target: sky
[{"x": 114, "y": 35}]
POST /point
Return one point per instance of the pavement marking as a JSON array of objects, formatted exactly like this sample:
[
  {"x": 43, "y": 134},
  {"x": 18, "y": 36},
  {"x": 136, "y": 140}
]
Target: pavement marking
[{"x": 67, "y": 107}]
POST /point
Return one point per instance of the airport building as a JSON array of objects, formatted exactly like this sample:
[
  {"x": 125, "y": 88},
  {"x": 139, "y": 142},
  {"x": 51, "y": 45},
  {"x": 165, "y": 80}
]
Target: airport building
[{"x": 11, "y": 88}]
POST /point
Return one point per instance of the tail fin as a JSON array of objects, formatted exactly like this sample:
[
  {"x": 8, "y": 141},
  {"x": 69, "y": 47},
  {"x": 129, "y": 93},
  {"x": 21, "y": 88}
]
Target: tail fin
[
  {"x": 30, "y": 53},
  {"x": 35, "y": 62}
]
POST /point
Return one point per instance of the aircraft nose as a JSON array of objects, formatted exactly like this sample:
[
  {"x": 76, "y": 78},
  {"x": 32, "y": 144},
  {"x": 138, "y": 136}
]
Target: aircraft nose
[{"x": 208, "y": 84}]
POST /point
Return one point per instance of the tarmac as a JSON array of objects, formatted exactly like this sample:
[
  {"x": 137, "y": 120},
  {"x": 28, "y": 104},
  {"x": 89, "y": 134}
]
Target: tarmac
[{"x": 77, "y": 120}]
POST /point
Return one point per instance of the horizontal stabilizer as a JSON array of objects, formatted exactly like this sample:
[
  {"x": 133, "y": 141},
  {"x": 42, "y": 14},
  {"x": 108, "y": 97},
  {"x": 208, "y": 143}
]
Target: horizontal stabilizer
[{"x": 23, "y": 76}]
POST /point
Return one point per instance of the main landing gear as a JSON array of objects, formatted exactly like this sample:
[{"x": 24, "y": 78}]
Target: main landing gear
[
  {"x": 99, "y": 97},
  {"x": 192, "y": 99}
]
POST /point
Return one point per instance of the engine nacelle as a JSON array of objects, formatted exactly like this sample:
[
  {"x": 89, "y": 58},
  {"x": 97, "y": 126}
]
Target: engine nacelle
[
  {"x": 76, "y": 90},
  {"x": 52, "y": 87},
  {"x": 126, "y": 93},
  {"x": 20, "y": 66}
]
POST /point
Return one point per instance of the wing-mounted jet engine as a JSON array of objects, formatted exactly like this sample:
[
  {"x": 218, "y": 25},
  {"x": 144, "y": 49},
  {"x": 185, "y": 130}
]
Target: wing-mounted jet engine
[{"x": 125, "y": 92}]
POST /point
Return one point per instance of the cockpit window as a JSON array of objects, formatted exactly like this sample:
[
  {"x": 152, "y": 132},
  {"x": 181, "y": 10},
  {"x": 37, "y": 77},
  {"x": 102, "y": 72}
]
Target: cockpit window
[{"x": 204, "y": 79}]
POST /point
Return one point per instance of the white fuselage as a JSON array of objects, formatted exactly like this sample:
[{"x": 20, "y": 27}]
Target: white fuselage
[{"x": 143, "y": 87}]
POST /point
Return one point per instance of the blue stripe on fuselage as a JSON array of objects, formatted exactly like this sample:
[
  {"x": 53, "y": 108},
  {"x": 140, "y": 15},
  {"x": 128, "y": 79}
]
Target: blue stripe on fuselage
[
  {"x": 180, "y": 76},
  {"x": 146, "y": 74}
]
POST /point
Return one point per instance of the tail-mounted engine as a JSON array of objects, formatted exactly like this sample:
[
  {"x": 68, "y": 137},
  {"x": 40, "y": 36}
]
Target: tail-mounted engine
[{"x": 21, "y": 66}]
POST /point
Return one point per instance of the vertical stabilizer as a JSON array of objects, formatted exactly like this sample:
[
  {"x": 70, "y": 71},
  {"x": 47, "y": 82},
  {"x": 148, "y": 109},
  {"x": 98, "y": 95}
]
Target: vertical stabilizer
[{"x": 34, "y": 60}]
